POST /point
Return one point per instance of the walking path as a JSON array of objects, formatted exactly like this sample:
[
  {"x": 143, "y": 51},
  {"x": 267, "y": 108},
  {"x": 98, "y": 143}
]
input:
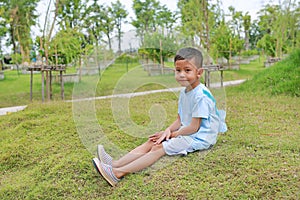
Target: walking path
[
  {"x": 129, "y": 95},
  {"x": 4, "y": 111}
]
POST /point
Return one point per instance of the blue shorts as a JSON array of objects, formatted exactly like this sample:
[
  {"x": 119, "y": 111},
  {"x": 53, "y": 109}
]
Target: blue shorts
[{"x": 180, "y": 145}]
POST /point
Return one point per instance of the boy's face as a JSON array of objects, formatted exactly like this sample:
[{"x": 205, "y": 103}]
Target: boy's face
[{"x": 187, "y": 74}]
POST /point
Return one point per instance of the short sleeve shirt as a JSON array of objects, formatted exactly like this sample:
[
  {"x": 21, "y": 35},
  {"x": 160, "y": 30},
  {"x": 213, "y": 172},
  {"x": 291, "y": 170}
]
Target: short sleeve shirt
[{"x": 200, "y": 103}]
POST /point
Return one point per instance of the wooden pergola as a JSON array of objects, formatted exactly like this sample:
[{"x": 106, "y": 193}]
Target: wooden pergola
[
  {"x": 211, "y": 68},
  {"x": 46, "y": 71}
]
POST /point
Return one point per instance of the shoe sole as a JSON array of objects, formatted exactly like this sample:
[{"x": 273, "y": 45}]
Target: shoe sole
[
  {"x": 98, "y": 152},
  {"x": 100, "y": 149},
  {"x": 101, "y": 171}
]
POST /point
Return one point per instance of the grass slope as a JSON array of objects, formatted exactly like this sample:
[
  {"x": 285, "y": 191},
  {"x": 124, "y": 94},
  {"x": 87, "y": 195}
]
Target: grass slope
[
  {"x": 43, "y": 157},
  {"x": 282, "y": 78}
]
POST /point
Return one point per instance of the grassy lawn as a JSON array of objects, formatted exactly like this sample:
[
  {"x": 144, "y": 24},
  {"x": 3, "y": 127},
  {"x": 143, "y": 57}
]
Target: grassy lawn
[
  {"x": 42, "y": 155},
  {"x": 15, "y": 88}
]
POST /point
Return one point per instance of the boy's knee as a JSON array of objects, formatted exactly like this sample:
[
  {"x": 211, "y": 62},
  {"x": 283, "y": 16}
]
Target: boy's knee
[
  {"x": 157, "y": 147},
  {"x": 150, "y": 142}
]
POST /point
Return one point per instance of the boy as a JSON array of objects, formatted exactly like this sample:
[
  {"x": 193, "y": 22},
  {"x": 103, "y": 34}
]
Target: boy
[{"x": 196, "y": 127}]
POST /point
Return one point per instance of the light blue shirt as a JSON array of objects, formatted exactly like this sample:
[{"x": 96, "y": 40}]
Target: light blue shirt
[{"x": 200, "y": 103}]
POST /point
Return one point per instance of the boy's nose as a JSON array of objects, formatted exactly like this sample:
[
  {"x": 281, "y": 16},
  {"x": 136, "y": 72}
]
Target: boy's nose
[{"x": 181, "y": 74}]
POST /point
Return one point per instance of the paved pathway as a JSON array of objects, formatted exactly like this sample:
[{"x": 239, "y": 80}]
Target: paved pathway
[
  {"x": 129, "y": 95},
  {"x": 4, "y": 111}
]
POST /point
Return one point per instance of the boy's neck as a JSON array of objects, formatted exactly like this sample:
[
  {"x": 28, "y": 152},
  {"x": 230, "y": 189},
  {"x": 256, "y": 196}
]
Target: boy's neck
[{"x": 191, "y": 87}]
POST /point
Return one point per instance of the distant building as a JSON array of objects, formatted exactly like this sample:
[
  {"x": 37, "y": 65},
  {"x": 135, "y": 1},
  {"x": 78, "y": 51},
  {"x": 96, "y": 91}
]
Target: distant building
[{"x": 129, "y": 42}]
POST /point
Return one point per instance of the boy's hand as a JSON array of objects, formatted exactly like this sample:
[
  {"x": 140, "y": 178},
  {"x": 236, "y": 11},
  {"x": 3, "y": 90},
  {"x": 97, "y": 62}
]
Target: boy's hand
[
  {"x": 155, "y": 136},
  {"x": 165, "y": 135}
]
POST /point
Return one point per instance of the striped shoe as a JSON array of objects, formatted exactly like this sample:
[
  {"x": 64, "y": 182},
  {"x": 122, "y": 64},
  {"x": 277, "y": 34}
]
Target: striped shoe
[
  {"x": 103, "y": 156},
  {"x": 106, "y": 172}
]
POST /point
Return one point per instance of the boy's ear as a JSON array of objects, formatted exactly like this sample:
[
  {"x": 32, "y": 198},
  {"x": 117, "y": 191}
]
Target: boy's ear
[{"x": 200, "y": 72}]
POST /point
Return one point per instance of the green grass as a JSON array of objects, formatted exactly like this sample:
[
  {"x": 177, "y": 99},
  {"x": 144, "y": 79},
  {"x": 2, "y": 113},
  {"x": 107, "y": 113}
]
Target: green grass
[
  {"x": 246, "y": 71},
  {"x": 15, "y": 88},
  {"x": 282, "y": 78},
  {"x": 42, "y": 155}
]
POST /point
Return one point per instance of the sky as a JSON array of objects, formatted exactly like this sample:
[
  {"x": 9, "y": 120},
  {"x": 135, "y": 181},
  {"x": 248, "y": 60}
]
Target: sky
[{"x": 251, "y": 6}]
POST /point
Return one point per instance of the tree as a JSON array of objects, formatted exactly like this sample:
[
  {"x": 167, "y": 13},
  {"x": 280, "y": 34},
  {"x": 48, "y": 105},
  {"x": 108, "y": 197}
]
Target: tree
[
  {"x": 165, "y": 20},
  {"x": 68, "y": 45},
  {"x": 107, "y": 23},
  {"x": 254, "y": 34},
  {"x": 3, "y": 30},
  {"x": 237, "y": 21},
  {"x": 158, "y": 47},
  {"x": 279, "y": 25},
  {"x": 198, "y": 20},
  {"x": 92, "y": 23},
  {"x": 119, "y": 14},
  {"x": 145, "y": 12},
  {"x": 225, "y": 43},
  {"x": 247, "y": 25},
  {"x": 45, "y": 39},
  {"x": 19, "y": 14},
  {"x": 71, "y": 13}
]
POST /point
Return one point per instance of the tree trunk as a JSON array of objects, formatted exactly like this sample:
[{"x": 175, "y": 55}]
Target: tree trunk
[{"x": 47, "y": 39}]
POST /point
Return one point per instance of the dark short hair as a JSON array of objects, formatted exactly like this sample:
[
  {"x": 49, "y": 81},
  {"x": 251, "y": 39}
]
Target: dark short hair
[{"x": 189, "y": 53}]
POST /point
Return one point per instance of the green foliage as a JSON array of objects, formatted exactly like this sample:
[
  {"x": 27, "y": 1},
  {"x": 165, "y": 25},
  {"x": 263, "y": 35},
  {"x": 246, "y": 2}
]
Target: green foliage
[
  {"x": 152, "y": 17},
  {"x": 17, "y": 17},
  {"x": 282, "y": 78},
  {"x": 71, "y": 13},
  {"x": 67, "y": 45},
  {"x": 224, "y": 41},
  {"x": 199, "y": 20},
  {"x": 16, "y": 58},
  {"x": 268, "y": 43},
  {"x": 119, "y": 16},
  {"x": 278, "y": 28},
  {"x": 125, "y": 58},
  {"x": 250, "y": 52}
]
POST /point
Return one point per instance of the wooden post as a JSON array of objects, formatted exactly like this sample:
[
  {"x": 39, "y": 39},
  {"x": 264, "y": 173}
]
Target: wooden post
[
  {"x": 221, "y": 78},
  {"x": 208, "y": 78},
  {"x": 230, "y": 53},
  {"x": 206, "y": 75},
  {"x": 31, "y": 81},
  {"x": 161, "y": 57},
  {"x": 62, "y": 92},
  {"x": 50, "y": 83},
  {"x": 43, "y": 85},
  {"x": 47, "y": 85},
  {"x": 80, "y": 66}
]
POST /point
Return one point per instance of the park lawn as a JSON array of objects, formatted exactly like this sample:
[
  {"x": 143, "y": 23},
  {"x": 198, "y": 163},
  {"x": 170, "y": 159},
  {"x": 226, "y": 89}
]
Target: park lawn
[
  {"x": 15, "y": 88},
  {"x": 42, "y": 156}
]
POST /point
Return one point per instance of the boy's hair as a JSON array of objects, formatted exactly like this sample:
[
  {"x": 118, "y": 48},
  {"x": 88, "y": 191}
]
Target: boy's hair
[{"x": 189, "y": 53}]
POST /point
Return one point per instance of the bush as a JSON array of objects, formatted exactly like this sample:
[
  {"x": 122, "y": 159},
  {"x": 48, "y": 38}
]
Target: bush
[
  {"x": 250, "y": 52},
  {"x": 124, "y": 58}
]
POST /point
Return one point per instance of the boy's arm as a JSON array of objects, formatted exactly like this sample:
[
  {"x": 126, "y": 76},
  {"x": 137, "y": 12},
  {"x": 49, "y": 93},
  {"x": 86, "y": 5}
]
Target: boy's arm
[
  {"x": 175, "y": 125},
  {"x": 166, "y": 134},
  {"x": 188, "y": 130},
  {"x": 193, "y": 127}
]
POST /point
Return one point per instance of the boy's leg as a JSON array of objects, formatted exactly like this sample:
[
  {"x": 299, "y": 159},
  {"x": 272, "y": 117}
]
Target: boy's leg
[
  {"x": 134, "y": 154},
  {"x": 144, "y": 160}
]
